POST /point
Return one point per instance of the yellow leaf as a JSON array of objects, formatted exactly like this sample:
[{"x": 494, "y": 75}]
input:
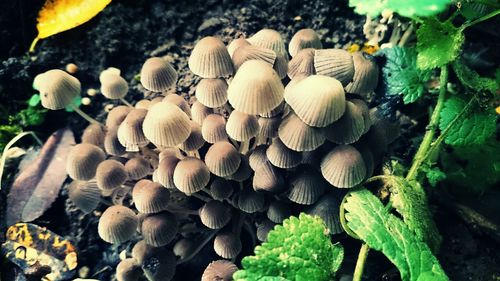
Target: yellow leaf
[{"x": 60, "y": 15}]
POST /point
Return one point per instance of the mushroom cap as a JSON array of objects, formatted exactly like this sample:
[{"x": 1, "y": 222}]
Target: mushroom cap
[
  {"x": 235, "y": 44},
  {"x": 241, "y": 126},
  {"x": 250, "y": 201},
  {"x": 143, "y": 104},
  {"x": 263, "y": 229},
  {"x": 250, "y": 52},
  {"x": 302, "y": 64},
  {"x": 159, "y": 229},
  {"x": 57, "y": 89},
  {"x": 199, "y": 112},
  {"x": 85, "y": 195},
  {"x": 365, "y": 74},
  {"x": 303, "y": 39},
  {"x": 117, "y": 115},
  {"x": 361, "y": 104},
  {"x": 157, "y": 75},
  {"x": 255, "y": 89},
  {"x": 117, "y": 224},
  {"x": 82, "y": 161},
  {"x": 334, "y": 63},
  {"x": 328, "y": 209},
  {"x": 221, "y": 270},
  {"x": 210, "y": 59},
  {"x": 166, "y": 125},
  {"x": 215, "y": 214},
  {"x": 212, "y": 92},
  {"x": 306, "y": 187},
  {"x": 222, "y": 159},
  {"x": 227, "y": 245},
  {"x": 221, "y": 189},
  {"x": 112, "y": 145},
  {"x": 278, "y": 211},
  {"x": 268, "y": 178},
  {"x": 268, "y": 127},
  {"x": 191, "y": 175},
  {"x": 299, "y": 136},
  {"x": 317, "y": 100},
  {"x": 244, "y": 171},
  {"x": 269, "y": 39},
  {"x": 213, "y": 128},
  {"x": 130, "y": 133},
  {"x": 349, "y": 128},
  {"x": 94, "y": 134},
  {"x": 343, "y": 167},
  {"x": 281, "y": 156},
  {"x": 258, "y": 157},
  {"x": 179, "y": 101},
  {"x": 275, "y": 111},
  {"x": 281, "y": 65},
  {"x": 165, "y": 171},
  {"x": 114, "y": 86},
  {"x": 110, "y": 174},
  {"x": 184, "y": 247},
  {"x": 137, "y": 168},
  {"x": 150, "y": 197},
  {"x": 128, "y": 270},
  {"x": 158, "y": 263},
  {"x": 195, "y": 140}
]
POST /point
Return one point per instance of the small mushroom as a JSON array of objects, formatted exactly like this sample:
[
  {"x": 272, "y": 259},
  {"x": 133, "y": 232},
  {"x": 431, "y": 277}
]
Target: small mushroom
[
  {"x": 82, "y": 161},
  {"x": 221, "y": 270},
  {"x": 158, "y": 75},
  {"x": 210, "y": 59},
  {"x": 117, "y": 224}
]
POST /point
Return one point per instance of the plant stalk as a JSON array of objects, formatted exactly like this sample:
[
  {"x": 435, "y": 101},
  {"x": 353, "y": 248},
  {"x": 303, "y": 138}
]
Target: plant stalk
[
  {"x": 84, "y": 115},
  {"x": 360, "y": 263},
  {"x": 481, "y": 19}
]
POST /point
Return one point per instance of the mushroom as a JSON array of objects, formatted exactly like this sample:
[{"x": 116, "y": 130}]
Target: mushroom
[
  {"x": 212, "y": 92},
  {"x": 191, "y": 175},
  {"x": 221, "y": 270},
  {"x": 213, "y": 128},
  {"x": 210, "y": 59},
  {"x": 117, "y": 224},
  {"x": 304, "y": 39},
  {"x": 343, "y": 167},
  {"x": 334, "y": 63},
  {"x": 110, "y": 174},
  {"x": 159, "y": 229},
  {"x": 166, "y": 125},
  {"x": 227, "y": 245},
  {"x": 150, "y": 197},
  {"x": 215, "y": 214},
  {"x": 222, "y": 159},
  {"x": 128, "y": 270},
  {"x": 85, "y": 195},
  {"x": 158, "y": 75},
  {"x": 82, "y": 161}
]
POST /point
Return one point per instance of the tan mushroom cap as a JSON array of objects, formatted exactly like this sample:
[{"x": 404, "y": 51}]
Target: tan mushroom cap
[
  {"x": 281, "y": 156},
  {"x": 268, "y": 178},
  {"x": 166, "y": 125},
  {"x": 158, "y": 263},
  {"x": 117, "y": 224},
  {"x": 213, "y": 128},
  {"x": 110, "y": 174},
  {"x": 306, "y": 187},
  {"x": 191, "y": 175},
  {"x": 302, "y": 64},
  {"x": 269, "y": 126},
  {"x": 143, "y": 104},
  {"x": 299, "y": 136},
  {"x": 137, "y": 168},
  {"x": 221, "y": 189},
  {"x": 244, "y": 171},
  {"x": 179, "y": 101},
  {"x": 82, "y": 161},
  {"x": 128, "y": 270},
  {"x": 317, "y": 100},
  {"x": 199, "y": 112},
  {"x": 159, "y": 229},
  {"x": 114, "y": 86},
  {"x": 327, "y": 208},
  {"x": 112, "y": 145},
  {"x": 250, "y": 52},
  {"x": 235, "y": 44},
  {"x": 212, "y": 92},
  {"x": 222, "y": 159},
  {"x": 250, "y": 201},
  {"x": 215, "y": 214},
  {"x": 258, "y": 157},
  {"x": 94, "y": 134},
  {"x": 85, "y": 195},
  {"x": 255, "y": 89},
  {"x": 210, "y": 59},
  {"x": 269, "y": 39},
  {"x": 165, "y": 171},
  {"x": 221, "y": 270},
  {"x": 227, "y": 245},
  {"x": 241, "y": 126},
  {"x": 57, "y": 89},
  {"x": 130, "y": 132},
  {"x": 158, "y": 75},
  {"x": 184, "y": 247},
  {"x": 303, "y": 39},
  {"x": 275, "y": 111},
  {"x": 365, "y": 74},
  {"x": 349, "y": 128},
  {"x": 334, "y": 63},
  {"x": 278, "y": 211},
  {"x": 150, "y": 197},
  {"x": 343, "y": 167},
  {"x": 117, "y": 115},
  {"x": 195, "y": 140}
]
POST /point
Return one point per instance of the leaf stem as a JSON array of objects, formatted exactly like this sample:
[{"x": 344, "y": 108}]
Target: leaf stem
[
  {"x": 431, "y": 127},
  {"x": 481, "y": 19},
  {"x": 360, "y": 263}
]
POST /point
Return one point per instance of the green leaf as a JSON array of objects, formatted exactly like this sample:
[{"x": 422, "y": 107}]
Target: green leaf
[
  {"x": 77, "y": 101},
  {"x": 382, "y": 231},
  {"x": 471, "y": 79},
  {"x": 300, "y": 249},
  {"x": 7, "y": 132},
  {"x": 434, "y": 176},
  {"x": 438, "y": 43},
  {"x": 472, "y": 10},
  {"x": 407, "y": 8},
  {"x": 401, "y": 75},
  {"x": 472, "y": 128},
  {"x": 34, "y": 100},
  {"x": 31, "y": 116}
]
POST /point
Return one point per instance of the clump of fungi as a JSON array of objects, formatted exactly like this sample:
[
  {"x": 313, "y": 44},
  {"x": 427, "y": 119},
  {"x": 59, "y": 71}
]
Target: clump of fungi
[{"x": 251, "y": 150}]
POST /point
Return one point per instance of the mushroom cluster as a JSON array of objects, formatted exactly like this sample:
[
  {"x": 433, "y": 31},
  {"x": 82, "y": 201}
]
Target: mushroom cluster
[{"x": 266, "y": 137}]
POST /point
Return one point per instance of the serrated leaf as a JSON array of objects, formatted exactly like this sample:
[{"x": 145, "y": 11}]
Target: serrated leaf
[
  {"x": 471, "y": 79},
  {"x": 438, "y": 43},
  {"x": 401, "y": 75},
  {"x": 382, "y": 231},
  {"x": 407, "y": 8},
  {"x": 472, "y": 128},
  {"x": 300, "y": 249}
]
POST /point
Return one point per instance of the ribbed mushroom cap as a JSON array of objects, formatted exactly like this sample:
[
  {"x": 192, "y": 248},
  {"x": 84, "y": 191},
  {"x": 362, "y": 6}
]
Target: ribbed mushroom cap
[
  {"x": 215, "y": 215},
  {"x": 328, "y": 209},
  {"x": 150, "y": 197},
  {"x": 158, "y": 263},
  {"x": 275, "y": 111},
  {"x": 213, "y": 128},
  {"x": 255, "y": 89},
  {"x": 143, "y": 104},
  {"x": 110, "y": 71},
  {"x": 227, "y": 245},
  {"x": 302, "y": 64},
  {"x": 195, "y": 140},
  {"x": 130, "y": 132},
  {"x": 117, "y": 115},
  {"x": 117, "y": 224},
  {"x": 244, "y": 171},
  {"x": 114, "y": 87},
  {"x": 304, "y": 39},
  {"x": 281, "y": 65},
  {"x": 299, "y": 136},
  {"x": 184, "y": 247},
  {"x": 57, "y": 89},
  {"x": 110, "y": 174},
  {"x": 250, "y": 201},
  {"x": 220, "y": 270},
  {"x": 165, "y": 171},
  {"x": 221, "y": 189},
  {"x": 179, "y": 101},
  {"x": 293, "y": 82},
  {"x": 335, "y": 63},
  {"x": 306, "y": 187},
  {"x": 281, "y": 156},
  {"x": 317, "y": 100},
  {"x": 365, "y": 74},
  {"x": 137, "y": 168},
  {"x": 94, "y": 134},
  {"x": 268, "y": 127},
  {"x": 210, "y": 59},
  {"x": 191, "y": 175},
  {"x": 249, "y": 52},
  {"x": 268, "y": 178},
  {"x": 158, "y": 75},
  {"x": 222, "y": 159},
  {"x": 235, "y": 44},
  {"x": 241, "y": 126},
  {"x": 128, "y": 270},
  {"x": 166, "y": 125},
  {"x": 85, "y": 195},
  {"x": 263, "y": 229},
  {"x": 258, "y": 157},
  {"x": 269, "y": 39},
  {"x": 112, "y": 145},
  {"x": 199, "y": 112},
  {"x": 159, "y": 229},
  {"x": 212, "y": 92},
  {"x": 278, "y": 211},
  {"x": 82, "y": 161},
  {"x": 348, "y": 128},
  {"x": 343, "y": 167},
  {"x": 367, "y": 158},
  {"x": 365, "y": 111}
]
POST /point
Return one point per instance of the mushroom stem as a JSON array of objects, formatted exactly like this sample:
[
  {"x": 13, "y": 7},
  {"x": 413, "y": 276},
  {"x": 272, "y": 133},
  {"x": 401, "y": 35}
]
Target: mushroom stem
[
  {"x": 201, "y": 197},
  {"x": 84, "y": 115},
  {"x": 244, "y": 147},
  {"x": 198, "y": 249},
  {"x": 183, "y": 211},
  {"x": 126, "y": 102}
]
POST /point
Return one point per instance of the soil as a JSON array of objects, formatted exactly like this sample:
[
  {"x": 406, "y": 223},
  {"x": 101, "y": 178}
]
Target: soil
[{"x": 129, "y": 31}]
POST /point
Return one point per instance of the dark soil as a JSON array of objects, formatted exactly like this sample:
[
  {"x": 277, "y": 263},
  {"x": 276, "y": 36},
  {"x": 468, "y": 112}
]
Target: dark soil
[{"x": 129, "y": 31}]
